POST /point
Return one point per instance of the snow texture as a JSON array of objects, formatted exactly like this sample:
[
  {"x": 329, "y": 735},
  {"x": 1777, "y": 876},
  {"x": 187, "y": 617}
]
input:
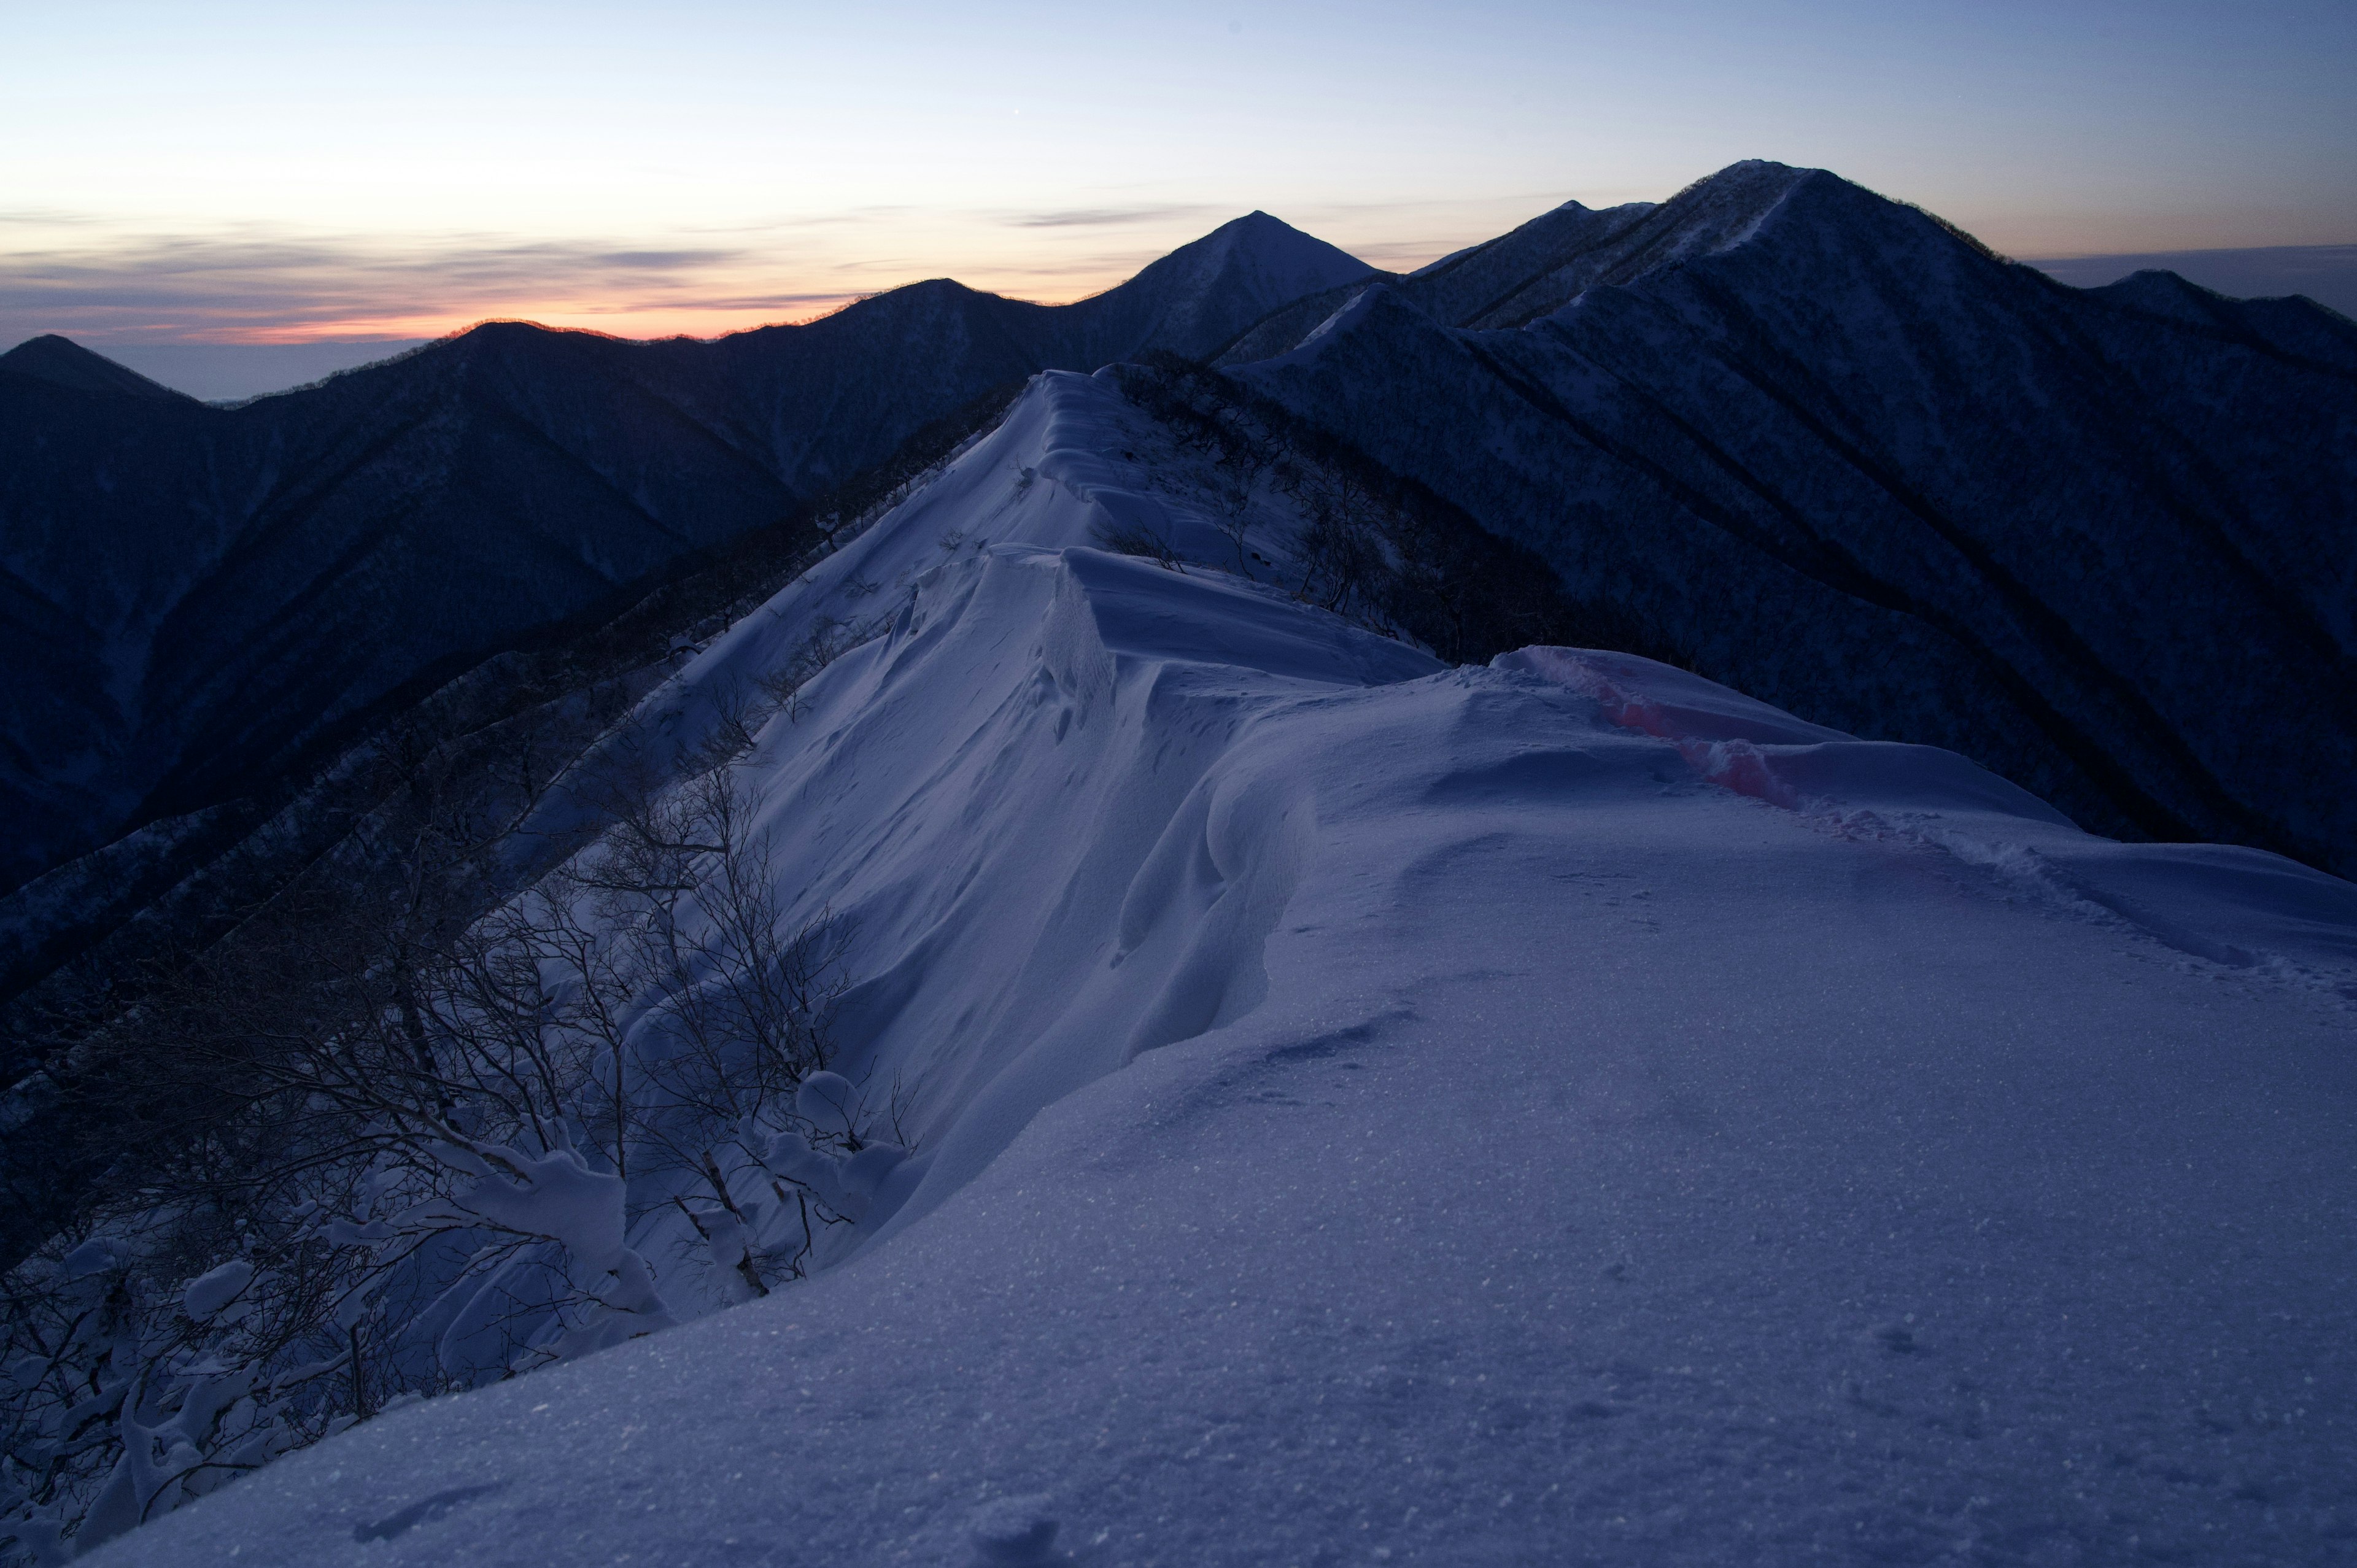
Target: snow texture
[
  {"x": 1367, "y": 1111},
  {"x": 212, "y": 1293}
]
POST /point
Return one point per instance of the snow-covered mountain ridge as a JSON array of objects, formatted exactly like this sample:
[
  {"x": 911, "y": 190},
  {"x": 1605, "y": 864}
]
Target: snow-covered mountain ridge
[
  {"x": 200, "y": 599},
  {"x": 1369, "y": 1109},
  {"x": 1818, "y": 444}
]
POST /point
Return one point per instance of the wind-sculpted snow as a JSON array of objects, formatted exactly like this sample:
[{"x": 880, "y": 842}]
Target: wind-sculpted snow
[
  {"x": 994, "y": 630},
  {"x": 1561, "y": 1111}
]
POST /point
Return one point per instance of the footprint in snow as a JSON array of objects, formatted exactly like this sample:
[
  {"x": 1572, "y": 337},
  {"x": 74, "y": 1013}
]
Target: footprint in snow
[
  {"x": 1896, "y": 1338},
  {"x": 1015, "y": 1533},
  {"x": 425, "y": 1512}
]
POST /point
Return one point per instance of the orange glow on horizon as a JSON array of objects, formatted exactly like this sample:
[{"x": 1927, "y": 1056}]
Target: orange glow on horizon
[
  {"x": 638, "y": 322},
  {"x": 659, "y": 322},
  {"x": 303, "y": 291}
]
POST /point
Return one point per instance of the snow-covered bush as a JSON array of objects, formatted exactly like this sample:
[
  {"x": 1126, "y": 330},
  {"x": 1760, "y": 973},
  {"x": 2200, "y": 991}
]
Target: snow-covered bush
[{"x": 404, "y": 1155}]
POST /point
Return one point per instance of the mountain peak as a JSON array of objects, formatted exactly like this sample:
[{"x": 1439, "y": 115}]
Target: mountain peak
[
  {"x": 63, "y": 363},
  {"x": 1199, "y": 297},
  {"x": 1291, "y": 262},
  {"x": 1560, "y": 254},
  {"x": 1721, "y": 210}
]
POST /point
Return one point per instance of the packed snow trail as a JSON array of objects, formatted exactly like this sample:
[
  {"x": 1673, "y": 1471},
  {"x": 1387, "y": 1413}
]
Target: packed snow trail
[{"x": 1374, "y": 1111}]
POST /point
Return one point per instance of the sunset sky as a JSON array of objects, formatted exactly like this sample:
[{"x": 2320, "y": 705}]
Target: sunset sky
[{"x": 277, "y": 173}]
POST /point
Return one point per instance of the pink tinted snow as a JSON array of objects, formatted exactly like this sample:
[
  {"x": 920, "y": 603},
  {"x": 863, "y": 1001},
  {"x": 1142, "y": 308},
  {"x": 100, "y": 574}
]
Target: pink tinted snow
[
  {"x": 2222, "y": 903},
  {"x": 1717, "y": 731}
]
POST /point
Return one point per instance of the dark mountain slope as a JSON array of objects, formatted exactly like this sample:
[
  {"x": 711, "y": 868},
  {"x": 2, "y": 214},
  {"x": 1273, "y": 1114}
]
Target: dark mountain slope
[
  {"x": 202, "y": 593},
  {"x": 1831, "y": 452},
  {"x": 1474, "y": 283},
  {"x": 808, "y": 400},
  {"x": 199, "y": 598},
  {"x": 63, "y": 363}
]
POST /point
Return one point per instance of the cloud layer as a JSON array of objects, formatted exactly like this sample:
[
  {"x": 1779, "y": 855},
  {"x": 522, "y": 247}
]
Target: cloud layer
[
  {"x": 61, "y": 273},
  {"x": 261, "y": 285}
]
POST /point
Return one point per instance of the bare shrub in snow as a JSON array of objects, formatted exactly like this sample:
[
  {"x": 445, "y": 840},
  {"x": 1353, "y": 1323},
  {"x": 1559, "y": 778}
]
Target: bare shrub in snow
[
  {"x": 1129, "y": 539},
  {"x": 824, "y": 643},
  {"x": 399, "y": 1153},
  {"x": 429, "y": 1146}
]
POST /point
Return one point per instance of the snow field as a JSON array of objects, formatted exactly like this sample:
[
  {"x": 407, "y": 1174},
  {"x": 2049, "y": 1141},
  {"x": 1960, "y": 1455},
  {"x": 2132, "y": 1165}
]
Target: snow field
[{"x": 1370, "y": 1111}]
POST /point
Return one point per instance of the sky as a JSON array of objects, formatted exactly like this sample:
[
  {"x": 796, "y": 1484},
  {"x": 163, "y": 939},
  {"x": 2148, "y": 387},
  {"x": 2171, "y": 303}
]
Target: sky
[{"x": 307, "y": 175}]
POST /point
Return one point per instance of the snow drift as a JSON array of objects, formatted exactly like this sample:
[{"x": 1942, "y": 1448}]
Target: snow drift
[{"x": 1367, "y": 1109}]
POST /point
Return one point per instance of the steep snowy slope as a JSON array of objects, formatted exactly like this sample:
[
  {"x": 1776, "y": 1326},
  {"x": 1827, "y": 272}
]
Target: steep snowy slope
[
  {"x": 1824, "y": 448},
  {"x": 193, "y": 599},
  {"x": 1369, "y": 1110}
]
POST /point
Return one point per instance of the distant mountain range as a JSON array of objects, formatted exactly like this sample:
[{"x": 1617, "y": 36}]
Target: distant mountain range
[
  {"x": 2325, "y": 273},
  {"x": 1809, "y": 442},
  {"x": 193, "y": 599},
  {"x": 1823, "y": 448}
]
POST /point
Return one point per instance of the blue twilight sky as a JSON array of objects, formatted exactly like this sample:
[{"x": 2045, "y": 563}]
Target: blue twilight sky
[{"x": 230, "y": 171}]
